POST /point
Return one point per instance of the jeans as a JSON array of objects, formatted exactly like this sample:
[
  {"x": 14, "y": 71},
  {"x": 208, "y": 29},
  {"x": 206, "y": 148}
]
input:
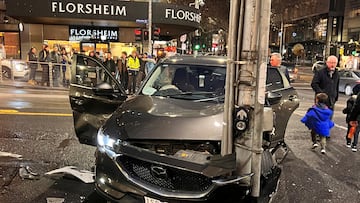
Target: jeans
[
  {"x": 32, "y": 73},
  {"x": 56, "y": 76},
  {"x": 356, "y": 136},
  {"x": 322, "y": 139},
  {"x": 132, "y": 80}
]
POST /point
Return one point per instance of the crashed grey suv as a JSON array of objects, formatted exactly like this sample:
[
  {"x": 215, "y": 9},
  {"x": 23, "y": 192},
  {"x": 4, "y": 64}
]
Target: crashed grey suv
[{"x": 164, "y": 143}]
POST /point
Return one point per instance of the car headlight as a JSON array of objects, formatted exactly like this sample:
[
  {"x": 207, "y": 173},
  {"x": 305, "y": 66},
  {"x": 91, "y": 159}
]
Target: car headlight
[
  {"x": 104, "y": 141},
  {"x": 19, "y": 67}
]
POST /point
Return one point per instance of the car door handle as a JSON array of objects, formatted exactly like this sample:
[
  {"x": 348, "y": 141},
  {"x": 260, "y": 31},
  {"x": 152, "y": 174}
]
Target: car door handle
[{"x": 292, "y": 97}]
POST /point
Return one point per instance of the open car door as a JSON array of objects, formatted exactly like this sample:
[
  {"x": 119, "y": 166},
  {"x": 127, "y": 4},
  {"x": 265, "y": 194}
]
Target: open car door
[
  {"x": 276, "y": 83},
  {"x": 92, "y": 98}
]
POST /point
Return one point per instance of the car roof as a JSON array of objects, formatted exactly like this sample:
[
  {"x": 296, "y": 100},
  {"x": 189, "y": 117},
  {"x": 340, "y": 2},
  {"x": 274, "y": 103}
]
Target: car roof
[{"x": 196, "y": 60}]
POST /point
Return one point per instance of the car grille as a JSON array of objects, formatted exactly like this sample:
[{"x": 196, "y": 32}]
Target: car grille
[{"x": 175, "y": 179}]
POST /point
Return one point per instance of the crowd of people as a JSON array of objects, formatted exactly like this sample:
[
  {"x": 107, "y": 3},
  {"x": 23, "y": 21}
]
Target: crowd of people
[
  {"x": 318, "y": 118},
  {"x": 60, "y": 59},
  {"x": 130, "y": 70}
]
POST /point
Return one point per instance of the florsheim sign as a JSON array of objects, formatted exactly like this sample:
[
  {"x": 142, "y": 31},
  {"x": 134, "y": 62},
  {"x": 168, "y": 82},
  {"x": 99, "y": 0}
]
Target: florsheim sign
[
  {"x": 79, "y": 33},
  {"x": 103, "y": 10}
]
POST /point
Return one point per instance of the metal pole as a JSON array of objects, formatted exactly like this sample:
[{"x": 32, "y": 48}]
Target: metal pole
[
  {"x": 281, "y": 38},
  {"x": 150, "y": 27},
  {"x": 263, "y": 12},
  {"x": 328, "y": 35},
  {"x": 51, "y": 74},
  {"x": 227, "y": 141},
  {"x": 1, "y": 74}
]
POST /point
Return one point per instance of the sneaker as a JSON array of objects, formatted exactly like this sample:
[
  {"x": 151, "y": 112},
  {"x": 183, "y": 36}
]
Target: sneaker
[
  {"x": 323, "y": 151},
  {"x": 315, "y": 145},
  {"x": 348, "y": 145},
  {"x": 354, "y": 149}
]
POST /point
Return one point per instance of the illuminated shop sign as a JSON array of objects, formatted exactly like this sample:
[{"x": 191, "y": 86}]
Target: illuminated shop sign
[
  {"x": 182, "y": 15},
  {"x": 87, "y": 8},
  {"x": 127, "y": 11},
  {"x": 81, "y": 33}
]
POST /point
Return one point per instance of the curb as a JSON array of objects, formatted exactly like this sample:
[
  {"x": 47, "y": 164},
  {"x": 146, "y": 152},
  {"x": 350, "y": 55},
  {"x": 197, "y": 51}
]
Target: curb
[{"x": 33, "y": 87}]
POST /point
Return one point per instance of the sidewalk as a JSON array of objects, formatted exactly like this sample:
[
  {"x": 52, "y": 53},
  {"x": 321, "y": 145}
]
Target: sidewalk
[{"x": 25, "y": 85}]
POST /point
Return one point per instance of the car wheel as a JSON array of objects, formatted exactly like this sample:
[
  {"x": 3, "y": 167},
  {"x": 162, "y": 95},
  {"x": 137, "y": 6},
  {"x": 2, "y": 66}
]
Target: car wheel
[
  {"x": 6, "y": 73},
  {"x": 348, "y": 90}
]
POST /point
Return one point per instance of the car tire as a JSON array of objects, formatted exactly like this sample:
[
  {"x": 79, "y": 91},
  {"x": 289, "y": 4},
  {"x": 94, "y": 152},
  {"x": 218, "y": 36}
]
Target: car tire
[
  {"x": 6, "y": 72},
  {"x": 348, "y": 90}
]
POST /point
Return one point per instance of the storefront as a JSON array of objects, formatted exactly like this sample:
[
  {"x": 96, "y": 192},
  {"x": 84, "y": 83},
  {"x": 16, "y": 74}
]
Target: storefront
[{"x": 105, "y": 26}]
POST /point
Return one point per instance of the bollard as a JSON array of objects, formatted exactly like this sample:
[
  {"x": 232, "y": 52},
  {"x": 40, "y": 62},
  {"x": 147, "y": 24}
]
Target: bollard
[
  {"x": 12, "y": 70},
  {"x": 51, "y": 74},
  {"x": 1, "y": 74}
]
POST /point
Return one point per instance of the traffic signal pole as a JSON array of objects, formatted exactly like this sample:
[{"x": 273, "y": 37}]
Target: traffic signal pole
[
  {"x": 245, "y": 86},
  {"x": 150, "y": 28}
]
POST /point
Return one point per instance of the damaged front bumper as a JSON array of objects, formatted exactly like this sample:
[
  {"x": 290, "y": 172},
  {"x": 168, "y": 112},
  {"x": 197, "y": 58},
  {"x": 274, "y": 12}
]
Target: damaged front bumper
[{"x": 187, "y": 175}]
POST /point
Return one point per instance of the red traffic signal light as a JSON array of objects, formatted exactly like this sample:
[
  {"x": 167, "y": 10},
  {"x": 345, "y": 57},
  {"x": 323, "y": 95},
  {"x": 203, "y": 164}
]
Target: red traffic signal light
[{"x": 138, "y": 34}]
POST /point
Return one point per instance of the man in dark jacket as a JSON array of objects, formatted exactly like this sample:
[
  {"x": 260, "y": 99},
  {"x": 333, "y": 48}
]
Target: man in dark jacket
[
  {"x": 110, "y": 65},
  {"x": 326, "y": 80}
]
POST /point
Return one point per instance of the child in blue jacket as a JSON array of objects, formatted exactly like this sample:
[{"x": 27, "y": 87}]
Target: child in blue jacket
[{"x": 318, "y": 120}]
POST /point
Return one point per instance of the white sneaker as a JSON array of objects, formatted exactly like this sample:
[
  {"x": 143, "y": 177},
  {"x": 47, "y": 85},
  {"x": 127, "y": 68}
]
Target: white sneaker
[
  {"x": 354, "y": 149},
  {"x": 323, "y": 151},
  {"x": 348, "y": 145},
  {"x": 315, "y": 145}
]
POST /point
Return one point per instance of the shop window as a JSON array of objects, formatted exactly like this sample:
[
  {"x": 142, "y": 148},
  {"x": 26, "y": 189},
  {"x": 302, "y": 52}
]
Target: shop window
[{"x": 9, "y": 45}]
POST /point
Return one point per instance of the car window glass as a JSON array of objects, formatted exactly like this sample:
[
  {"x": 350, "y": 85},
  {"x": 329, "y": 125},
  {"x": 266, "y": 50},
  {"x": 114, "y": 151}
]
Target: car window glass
[
  {"x": 200, "y": 81},
  {"x": 275, "y": 80},
  {"x": 89, "y": 73},
  {"x": 357, "y": 73}
]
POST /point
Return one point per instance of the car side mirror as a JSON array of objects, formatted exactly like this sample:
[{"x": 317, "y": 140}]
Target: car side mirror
[
  {"x": 273, "y": 98},
  {"x": 103, "y": 88}
]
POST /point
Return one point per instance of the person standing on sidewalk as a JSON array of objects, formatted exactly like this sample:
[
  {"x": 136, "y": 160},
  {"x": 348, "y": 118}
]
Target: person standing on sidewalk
[
  {"x": 33, "y": 66},
  {"x": 110, "y": 65},
  {"x": 354, "y": 118},
  {"x": 133, "y": 70},
  {"x": 318, "y": 120},
  {"x": 122, "y": 70},
  {"x": 326, "y": 80},
  {"x": 44, "y": 58},
  {"x": 56, "y": 59}
]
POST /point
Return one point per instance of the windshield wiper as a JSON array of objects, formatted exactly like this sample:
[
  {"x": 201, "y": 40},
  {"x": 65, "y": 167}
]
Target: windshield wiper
[
  {"x": 218, "y": 98},
  {"x": 192, "y": 93}
]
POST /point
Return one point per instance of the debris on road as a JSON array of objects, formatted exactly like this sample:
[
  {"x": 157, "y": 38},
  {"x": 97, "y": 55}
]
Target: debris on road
[
  {"x": 26, "y": 173},
  {"x": 83, "y": 175},
  {"x": 8, "y": 154},
  {"x": 54, "y": 200}
]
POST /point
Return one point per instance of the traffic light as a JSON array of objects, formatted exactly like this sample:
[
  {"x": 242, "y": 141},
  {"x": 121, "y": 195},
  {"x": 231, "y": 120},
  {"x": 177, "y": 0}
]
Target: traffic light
[
  {"x": 138, "y": 34},
  {"x": 146, "y": 35},
  {"x": 156, "y": 33},
  {"x": 196, "y": 43}
]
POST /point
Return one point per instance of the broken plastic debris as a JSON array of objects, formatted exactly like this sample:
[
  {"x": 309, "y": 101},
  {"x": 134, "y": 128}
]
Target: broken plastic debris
[
  {"x": 7, "y": 154},
  {"x": 26, "y": 173},
  {"x": 83, "y": 175},
  {"x": 55, "y": 200}
]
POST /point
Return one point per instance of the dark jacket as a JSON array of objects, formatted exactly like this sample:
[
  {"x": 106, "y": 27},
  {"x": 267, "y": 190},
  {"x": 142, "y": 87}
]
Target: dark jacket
[
  {"x": 110, "y": 65},
  {"x": 323, "y": 83},
  {"x": 318, "y": 118},
  {"x": 355, "y": 112},
  {"x": 44, "y": 56},
  {"x": 349, "y": 106},
  {"x": 32, "y": 57}
]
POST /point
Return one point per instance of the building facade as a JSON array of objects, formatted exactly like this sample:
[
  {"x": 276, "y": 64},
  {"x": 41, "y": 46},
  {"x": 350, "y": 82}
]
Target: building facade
[{"x": 94, "y": 25}]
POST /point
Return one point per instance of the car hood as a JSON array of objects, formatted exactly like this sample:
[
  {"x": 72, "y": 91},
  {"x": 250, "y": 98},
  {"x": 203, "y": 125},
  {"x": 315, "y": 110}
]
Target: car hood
[{"x": 153, "y": 118}]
